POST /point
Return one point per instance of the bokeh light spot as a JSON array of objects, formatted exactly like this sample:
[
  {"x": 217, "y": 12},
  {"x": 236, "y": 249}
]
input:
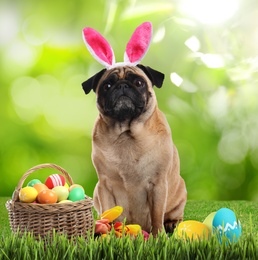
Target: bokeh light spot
[
  {"x": 34, "y": 31},
  {"x": 210, "y": 11},
  {"x": 213, "y": 61},
  {"x": 8, "y": 25},
  {"x": 193, "y": 43},
  {"x": 176, "y": 79},
  {"x": 233, "y": 147}
]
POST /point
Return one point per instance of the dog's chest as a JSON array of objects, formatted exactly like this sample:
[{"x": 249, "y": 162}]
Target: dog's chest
[{"x": 130, "y": 158}]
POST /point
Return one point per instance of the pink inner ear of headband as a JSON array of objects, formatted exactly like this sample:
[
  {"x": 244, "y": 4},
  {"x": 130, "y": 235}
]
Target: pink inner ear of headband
[
  {"x": 136, "y": 48},
  {"x": 139, "y": 43},
  {"x": 99, "y": 47}
]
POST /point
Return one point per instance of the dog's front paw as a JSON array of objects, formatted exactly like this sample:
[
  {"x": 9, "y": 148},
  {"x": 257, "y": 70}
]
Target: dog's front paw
[
  {"x": 170, "y": 225},
  {"x": 156, "y": 230}
]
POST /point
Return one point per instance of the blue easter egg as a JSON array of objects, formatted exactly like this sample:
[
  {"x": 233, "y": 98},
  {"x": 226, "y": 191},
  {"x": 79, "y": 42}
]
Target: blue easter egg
[{"x": 225, "y": 223}]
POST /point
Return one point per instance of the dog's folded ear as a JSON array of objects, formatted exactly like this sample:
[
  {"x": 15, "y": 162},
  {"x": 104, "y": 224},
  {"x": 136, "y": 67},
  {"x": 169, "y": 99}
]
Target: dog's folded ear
[
  {"x": 92, "y": 82},
  {"x": 155, "y": 76}
]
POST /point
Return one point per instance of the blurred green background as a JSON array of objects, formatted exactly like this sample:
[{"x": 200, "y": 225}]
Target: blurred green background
[{"x": 208, "y": 50}]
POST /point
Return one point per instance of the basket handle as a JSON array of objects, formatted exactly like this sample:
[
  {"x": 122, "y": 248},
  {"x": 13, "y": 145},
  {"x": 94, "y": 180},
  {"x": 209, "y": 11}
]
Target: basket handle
[{"x": 35, "y": 168}]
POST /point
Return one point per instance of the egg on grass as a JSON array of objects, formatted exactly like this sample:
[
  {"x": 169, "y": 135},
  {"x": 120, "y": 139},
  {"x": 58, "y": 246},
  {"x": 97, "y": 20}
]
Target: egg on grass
[
  {"x": 225, "y": 223},
  {"x": 192, "y": 229},
  {"x": 208, "y": 221}
]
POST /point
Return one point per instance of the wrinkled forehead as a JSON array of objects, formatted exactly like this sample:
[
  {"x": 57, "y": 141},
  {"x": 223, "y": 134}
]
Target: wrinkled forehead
[{"x": 123, "y": 72}]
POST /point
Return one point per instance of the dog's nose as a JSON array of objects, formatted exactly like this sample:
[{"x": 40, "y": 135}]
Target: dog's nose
[{"x": 122, "y": 86}]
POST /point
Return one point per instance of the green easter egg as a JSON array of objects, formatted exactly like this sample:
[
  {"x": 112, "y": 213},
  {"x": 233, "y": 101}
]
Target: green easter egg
[
  {"x": 208, "y": 221},
  {"x": 76, "y": 194},
  {"x": 61, "y": 192},
  {"x": 33, "y": 182}
]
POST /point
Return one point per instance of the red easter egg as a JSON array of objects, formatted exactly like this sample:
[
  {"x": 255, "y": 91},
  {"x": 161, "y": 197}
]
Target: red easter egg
[
  {"x": 47, "y": 197},
  {"x": 55, "y": 180}
]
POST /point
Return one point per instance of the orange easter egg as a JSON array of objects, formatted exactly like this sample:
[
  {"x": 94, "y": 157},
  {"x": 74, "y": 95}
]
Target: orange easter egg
[
  {"x": 40, "y": 187},
  {"x": 47, "y": 197},
  {"x": 75, "y": 186}
]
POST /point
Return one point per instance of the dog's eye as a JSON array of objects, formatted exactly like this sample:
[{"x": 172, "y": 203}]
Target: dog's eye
[
  {"x": 139, "y": 83},
  {"x": 107, "y": 86}
]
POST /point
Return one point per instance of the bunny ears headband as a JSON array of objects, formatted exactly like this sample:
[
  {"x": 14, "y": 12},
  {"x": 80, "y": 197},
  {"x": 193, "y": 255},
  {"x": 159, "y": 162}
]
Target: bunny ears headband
[{"x": 135, "y": 50}]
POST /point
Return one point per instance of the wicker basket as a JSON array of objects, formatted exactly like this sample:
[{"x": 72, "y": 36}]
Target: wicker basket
[{"x": 71, "y": 219}]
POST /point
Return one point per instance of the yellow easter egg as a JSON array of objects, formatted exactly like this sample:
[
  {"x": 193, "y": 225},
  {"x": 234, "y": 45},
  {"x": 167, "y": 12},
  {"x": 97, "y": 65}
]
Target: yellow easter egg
[
  {"x": 28, "y": 194},
  {"x": 64, "y": 201},
  {"x": 193, "y": 230},
  {"x": 61, "y": 192}
]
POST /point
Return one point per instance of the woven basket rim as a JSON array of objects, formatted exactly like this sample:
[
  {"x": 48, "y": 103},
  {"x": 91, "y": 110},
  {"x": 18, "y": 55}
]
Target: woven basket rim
[
  {"x": 16, "y": 206},
  {"x": 87, "y": 199}
]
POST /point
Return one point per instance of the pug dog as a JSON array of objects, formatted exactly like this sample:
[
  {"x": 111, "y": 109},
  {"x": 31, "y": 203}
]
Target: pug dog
[{"x": 133, "y": 153}]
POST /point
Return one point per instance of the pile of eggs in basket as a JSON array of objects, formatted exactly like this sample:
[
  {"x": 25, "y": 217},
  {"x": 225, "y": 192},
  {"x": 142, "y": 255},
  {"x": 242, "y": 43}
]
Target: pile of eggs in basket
[{"x": 54, "y": 190}]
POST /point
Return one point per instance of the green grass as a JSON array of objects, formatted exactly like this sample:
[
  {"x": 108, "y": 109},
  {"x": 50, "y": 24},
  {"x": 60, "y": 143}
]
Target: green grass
[{"x": 13, "y": 247}]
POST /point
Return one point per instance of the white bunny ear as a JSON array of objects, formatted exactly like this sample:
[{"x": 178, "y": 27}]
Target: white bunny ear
[
  {"x": 139, "y": 44},
  {"x": 99, "y": 47}
]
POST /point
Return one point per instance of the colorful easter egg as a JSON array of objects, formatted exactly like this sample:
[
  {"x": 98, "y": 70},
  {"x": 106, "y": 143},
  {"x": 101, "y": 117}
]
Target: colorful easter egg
[
  {"x": 62, "y": 192},
  {"x": 55, "y": 180},
  {"x": 76, "y": 194},
  {"x": 226, "y": 224},
  {"x": 33, "y": 182},
  {"x": 40, "y": 187},
  {"x": 28, "y": 194},
  {"x": 47, "y": 197},
  {"x": 65, "y": 201},
  {"x": 66, "y": 185},
  {"x": 192, "y": 229},
  {"x": 74, "y": 186},
  {"x": 208, "y": 221}
]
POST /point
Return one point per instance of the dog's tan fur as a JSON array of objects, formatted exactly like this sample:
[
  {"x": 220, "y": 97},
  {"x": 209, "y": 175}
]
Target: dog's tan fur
[{"x": 138, "y": 165}]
